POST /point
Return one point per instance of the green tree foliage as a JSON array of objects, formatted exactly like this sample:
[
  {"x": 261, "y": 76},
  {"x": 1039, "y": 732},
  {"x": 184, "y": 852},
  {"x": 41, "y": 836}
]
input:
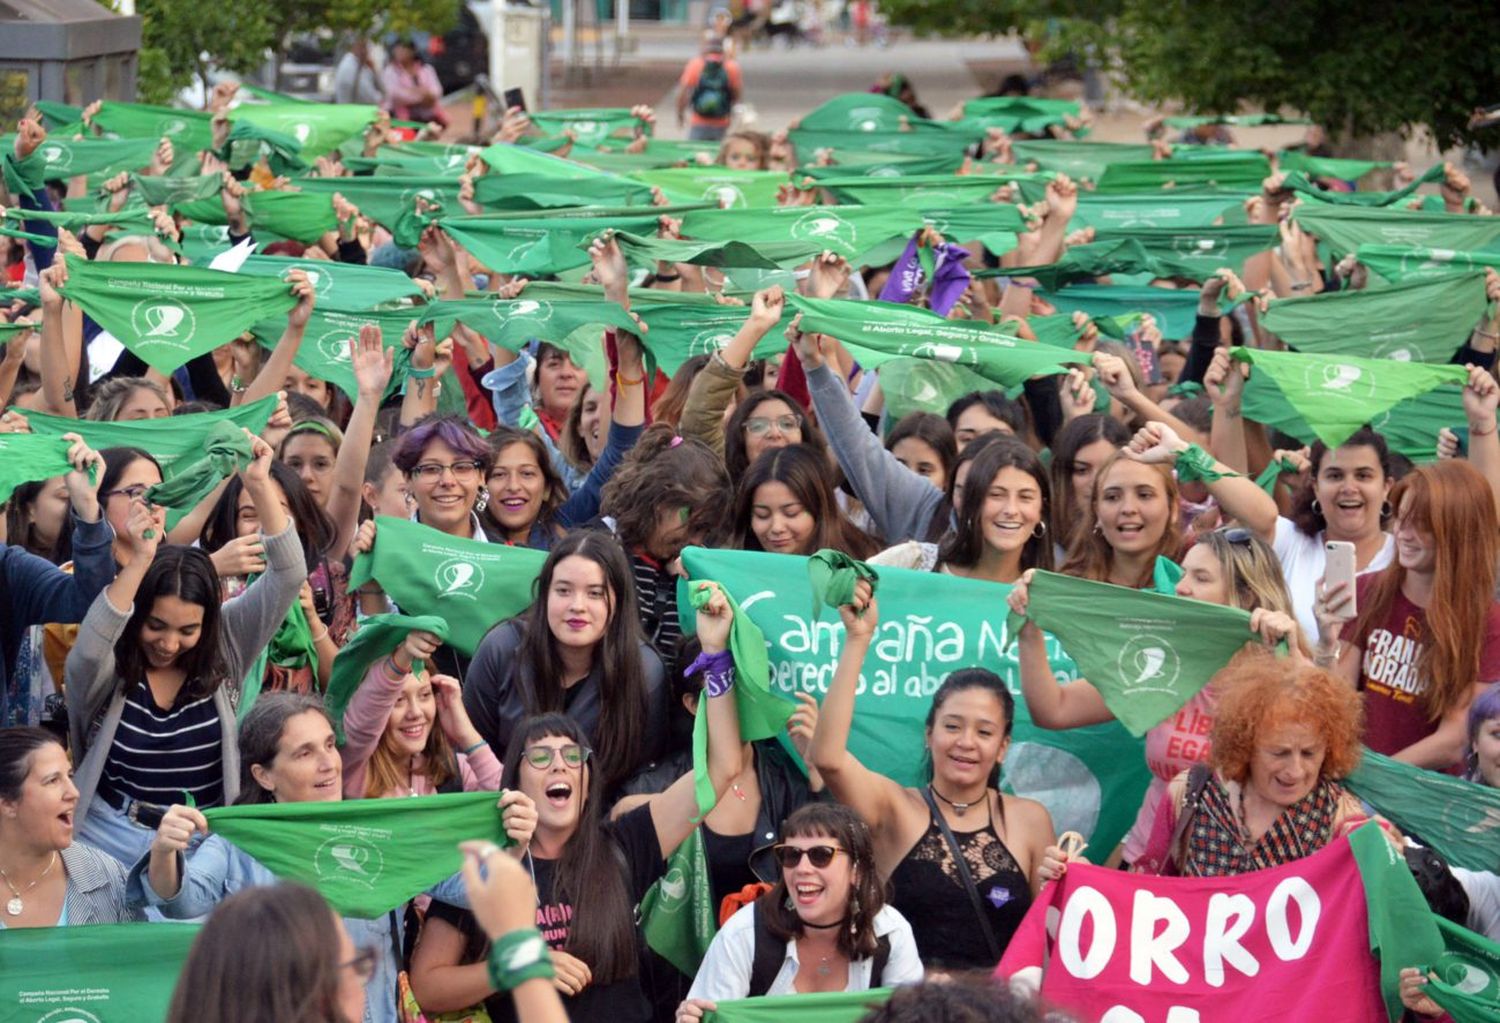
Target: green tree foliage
[{"x": 1353, "y": 66}]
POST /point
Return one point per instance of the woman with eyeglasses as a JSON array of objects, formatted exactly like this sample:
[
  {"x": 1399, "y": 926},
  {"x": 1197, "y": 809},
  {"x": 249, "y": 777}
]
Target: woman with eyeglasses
[
  {"x": 824, "y": 926},
  {"x": 288, "y": 755},
  {"x": 445, "y": 463},
  {"x": 958, "y": 847},
  {"x": 590, "y": 873},
  {"x": 302, "y": 965},
  {"x": 154, "y": 678},
  {"x": 766, "y": 420},
  {"x": 786, "y": 505},
  {"x": 578, "y": 651}
]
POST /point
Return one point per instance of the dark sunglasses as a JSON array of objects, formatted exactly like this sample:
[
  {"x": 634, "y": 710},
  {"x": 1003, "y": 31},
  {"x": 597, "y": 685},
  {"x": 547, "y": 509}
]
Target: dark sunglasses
[
  {"x": 820, "y": 855},
  {"x": 1238, "y": 534}
]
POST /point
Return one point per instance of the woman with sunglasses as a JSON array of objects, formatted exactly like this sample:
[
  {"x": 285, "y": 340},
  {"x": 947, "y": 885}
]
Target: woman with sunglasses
[
  {"x": 590, "y": 874},
  {"x": 288, "y": 755},
  {"x": 824, "y": 925}
]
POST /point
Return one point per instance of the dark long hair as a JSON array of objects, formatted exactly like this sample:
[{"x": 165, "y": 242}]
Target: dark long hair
[
  {"x": 1078, "y": 434},
  {"x": 964, "y": 546},
  {"x": 17, "y": 746},
  {"x": 856, "y": 937},
  {"x": 931, "y": 429},
  {"x": 260, "y": 736},
  {"x": 266, "y": 953},
  {"x": 554, "y": 492},
  {"x": 20, "y": 530},
  {"x": 974, "y": 678},
  {"x": 589, "y": 876},
  {"x": 622, "y": 692},
  {"x": 188, "y": 574},
  {"x": 116, "y": 461},
  {"x": 314, "y": 528},
  {"x": 805, "y": 473},
  {"x": 1309, "y": 520},
  {"x": 737, "y": 459},
  {"x": 664, "y": 471}
]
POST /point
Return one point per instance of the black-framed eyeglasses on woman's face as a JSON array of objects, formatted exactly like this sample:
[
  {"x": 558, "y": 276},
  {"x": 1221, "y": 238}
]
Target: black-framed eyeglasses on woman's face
[
  {"x": 464, "y": 471},
  {"x": 130, "y": 493},
  {"x": 363, "y": 964},
  {"x": 789, "y": 856},
  {"x": 541, "y": 757}
]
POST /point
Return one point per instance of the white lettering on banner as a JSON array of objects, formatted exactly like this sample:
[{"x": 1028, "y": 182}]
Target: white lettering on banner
[
  {"x": 1176, "y": 1014},
  {"x": 1228, "y": 919}
]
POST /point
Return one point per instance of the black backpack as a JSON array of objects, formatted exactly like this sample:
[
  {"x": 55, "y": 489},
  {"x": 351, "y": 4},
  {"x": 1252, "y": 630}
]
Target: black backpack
[
  {"x": 770, "y": 953},
  {"x": 711, "y": 96}
]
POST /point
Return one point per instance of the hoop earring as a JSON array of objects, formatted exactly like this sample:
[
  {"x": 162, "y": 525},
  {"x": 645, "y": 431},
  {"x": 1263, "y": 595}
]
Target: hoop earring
[
  {"x": 1386, "y": 511},
  {"x": 1317, "y": 509},
  {"x": 1098, "y": 528},
  {"x": 1040, "y": 530}
]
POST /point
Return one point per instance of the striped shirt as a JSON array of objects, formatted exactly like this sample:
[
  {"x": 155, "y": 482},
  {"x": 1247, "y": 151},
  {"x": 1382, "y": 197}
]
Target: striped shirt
[
  {"x": 159, "y": 754},
  {"x": 656, "y": 590}
]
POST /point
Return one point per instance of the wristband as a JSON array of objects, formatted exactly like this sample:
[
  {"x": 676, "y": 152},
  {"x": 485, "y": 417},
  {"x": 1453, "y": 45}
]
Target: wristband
[
  {"x": 392, "y": 669},
  {"x": 517, "y": 957},
  {"x": 471, "y": 749},
  {"x": 718, "y": 672},
  {"x": 668, "y": 277},
  {"x": 421, "y": 374},
  {"x": 1196, "y": 465},
  {"x": 624, "y": 381}
]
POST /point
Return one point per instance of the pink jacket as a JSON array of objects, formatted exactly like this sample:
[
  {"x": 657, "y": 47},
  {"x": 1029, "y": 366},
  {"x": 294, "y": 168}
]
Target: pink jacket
[{"x": 365, "y": 721}]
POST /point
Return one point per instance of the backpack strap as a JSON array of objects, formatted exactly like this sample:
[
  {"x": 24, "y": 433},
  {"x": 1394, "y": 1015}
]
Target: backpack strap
[
  {"x": 965, "y": 876},
  {"x": 770, "y": 953},
  {"x": 1197, "y": 781},
  {"x": 882, "y": 956}
]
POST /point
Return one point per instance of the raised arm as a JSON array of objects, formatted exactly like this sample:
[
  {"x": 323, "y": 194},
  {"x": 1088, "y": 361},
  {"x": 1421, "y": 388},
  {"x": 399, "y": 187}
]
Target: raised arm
[
  {"x": 371, "y": 363},
  {"x": 59, "y": 355},
  {"x": 273, "y": 369},
  {"x": 1238, "y": 496},
  {"x": 1481, "y": 398},
  {"x": 710, "y": 393},
  {"x": 1052, "y": 704}
]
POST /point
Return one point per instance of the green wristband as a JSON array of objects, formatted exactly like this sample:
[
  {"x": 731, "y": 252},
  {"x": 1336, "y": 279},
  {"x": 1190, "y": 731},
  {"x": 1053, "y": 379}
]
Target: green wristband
[
  {"x": 519, "y": 956},
  {"x": 421, "y": 374},
  {"x": 1196, "y": 465}
]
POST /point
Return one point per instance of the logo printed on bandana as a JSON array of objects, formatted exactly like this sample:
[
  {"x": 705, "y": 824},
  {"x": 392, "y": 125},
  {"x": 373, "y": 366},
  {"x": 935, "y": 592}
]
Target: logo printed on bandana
[
  {"x": 302, "y": 132},
  {"x": 820, "y": 226},
  {"x": 1468, "y": 975},
  {"x": 1192, "y": 246},
  {"x": 587, "y": 131},
  {"x": 1339, "y": 379},
  {"x": 706, "y": 342},
  {"x": 322, "y": 282},
  {"x": 70, "y": 1014},
  {"x": 940, "y": 352},
  {"x": 459, "y": 577},
  {"x": 727, "y": 196},
  {"x": 163, "y": 321},
  {"x": 171, "y": 126},
  {"x": 884, "y": 171},
  {"x": 674, "y": 891},
  {"x": 865, "y": 118},
  {"x": 1148, "y": 664},
  {"x": 527, "y": 308},
  {"x": 334, "y": 345},
  {"x": 57, "y": 158},
  {"x": 349, "y": 857}
]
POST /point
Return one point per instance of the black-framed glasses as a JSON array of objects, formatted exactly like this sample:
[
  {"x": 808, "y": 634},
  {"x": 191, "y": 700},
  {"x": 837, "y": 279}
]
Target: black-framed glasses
[
  {"x": 463, "y": 470},
  {"x": 759, "y": 425},
  {"x": 541, "y": 757},
  {"x": 131, "y": 493},
  {"x": 363, "y": 964},
  {"x": 819, "y": 855}
]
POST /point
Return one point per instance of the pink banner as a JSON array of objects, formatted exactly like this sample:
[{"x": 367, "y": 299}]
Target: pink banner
[{"x": 1287, "y": 943}]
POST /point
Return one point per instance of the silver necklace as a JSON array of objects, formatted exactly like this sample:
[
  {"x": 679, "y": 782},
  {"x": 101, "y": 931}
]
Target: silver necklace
[{"x": 15, "y": 906}]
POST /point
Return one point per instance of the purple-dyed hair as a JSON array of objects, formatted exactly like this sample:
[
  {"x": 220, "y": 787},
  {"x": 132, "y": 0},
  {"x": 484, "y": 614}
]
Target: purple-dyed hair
[
  {"x": 1486, "y": 707},
  {"x": 452, "y": 431}
]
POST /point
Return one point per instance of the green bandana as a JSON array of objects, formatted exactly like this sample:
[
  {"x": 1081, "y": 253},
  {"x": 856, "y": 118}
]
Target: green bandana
[
  {"x": 189, "y": 130},
  {"x": 540, "y": 245},
  {"x": 505, "y": 158},
  {"x": 589, "y": 126},
  {"x": 1175, "y": 309},
  {"x": 1336, "y": 396},
  {"x": 1457, "y": 818},
  {"x": 832, "y": 576},
  {"x": 1099, "y": 259},
  {"x": 169, "y": 314},
  {"x": 366, "y": 856},
  {"x": 1327, "y": 166},
  {"x": 1409, "y": 262},
  {"x": 317, "y": 128},
  {"x": 104, "y": 972},
  {"x": 1468, "y": 975},
  {"x": 1226, "y": 169},
  {"x": 303, "y": 216},
  {"x": 1123, "y": 213},
  {"x": 732, "y": 189},
  {"x": 392, "y": 202},
  {"x": 175, "y": 441},
  {"x": 678, "y": 917},
  {"x": 129, "y": 220},
  {"x": 546, "y": 191},
  {"x": 339, "y": 285},
  {"x": 27, "y": 458},
  {"x": 921, "y": 191},
  {"x": 1202, "y": 250},
  {"x": 376, "y": 638},
  {"x": 860, "y": 111},
  {"x": 1296, "y": 181},
  {"x": 513, "y": 324},
  {"x": 226, "y": 452},
  {"x": 1148, "y": 654},
  {"x": 847, "y": 230},
  {"x": 1238, "y": 120},
  {"x": 1032, "y": 115},
  {"x": 1346, "y": 228},
  {"x": 169, "y": 191},
  {"x": 822, "y": 1007},
  {"x": 648, "y": 251},
  {"x": 1272, "y": 473},
  {"x": 11, "y": 330},
  {"x": 877, "y": 331},
  {"x": 200, "y": 243},
  {"x": 250, "y": 143},
  {"x": 58, "y": 158},
  {"x": 921, "y": 385},
  {"x": 1194, "y": 465},
  {"x": 676, "y": 333},
  {"x": 1082, "y": 161},
  {"x": 762, "y": 713},
  {"x": 325, "y": 354},
  {"x": 292, "y": 646},
  {"x": 1413, "y": 321},
  {"x": 879, "y": 165},
  {"x": 1409, "y": 427},
  {"x": 469, "y": 583}
]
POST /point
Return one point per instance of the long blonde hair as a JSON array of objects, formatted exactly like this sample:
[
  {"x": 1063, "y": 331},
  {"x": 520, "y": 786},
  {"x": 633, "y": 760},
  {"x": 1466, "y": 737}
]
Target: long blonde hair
[
  {"x": 1091, "y": 556},
  {"x": 386, "y": 772}
]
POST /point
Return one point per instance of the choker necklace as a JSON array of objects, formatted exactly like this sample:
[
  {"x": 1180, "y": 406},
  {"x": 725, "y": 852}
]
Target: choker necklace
[
  {"x": 826, "y": 927},
  {"x": 14, "y": 907},
  {"x": 958, "y": 808}
]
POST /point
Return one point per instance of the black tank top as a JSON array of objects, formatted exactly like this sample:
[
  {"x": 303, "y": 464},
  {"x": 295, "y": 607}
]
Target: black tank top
[{"x": 929, "y": 891}]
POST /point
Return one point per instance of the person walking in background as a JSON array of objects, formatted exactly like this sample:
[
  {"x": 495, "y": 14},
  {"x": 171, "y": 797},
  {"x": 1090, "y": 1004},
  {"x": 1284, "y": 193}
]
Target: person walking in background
[
  {"x": 412, "y": 92},
  {"x": 709, "y": 88},
  {"x": 357, "y": 78}
]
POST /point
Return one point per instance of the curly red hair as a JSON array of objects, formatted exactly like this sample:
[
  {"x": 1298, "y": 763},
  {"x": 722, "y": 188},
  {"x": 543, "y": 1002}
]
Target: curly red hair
[{"x": 1259, "y": 691}]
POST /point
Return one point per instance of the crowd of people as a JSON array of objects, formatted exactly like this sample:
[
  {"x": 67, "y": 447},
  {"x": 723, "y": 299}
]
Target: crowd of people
[{"x": 344, "y": 469}]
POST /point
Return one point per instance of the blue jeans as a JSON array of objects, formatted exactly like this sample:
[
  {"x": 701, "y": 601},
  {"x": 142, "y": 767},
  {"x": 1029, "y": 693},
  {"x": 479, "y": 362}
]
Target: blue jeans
[{"x": 110, "y": 831}]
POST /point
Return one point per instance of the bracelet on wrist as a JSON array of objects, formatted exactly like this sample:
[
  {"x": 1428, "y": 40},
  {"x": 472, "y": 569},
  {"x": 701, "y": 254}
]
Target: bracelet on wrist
[
  {"x": 718, "y": 672},
  {"x": 517, "y": 957},
  {"x": 1476, "y": 432},
  {"x": 471, "y": 749},
  {"x": 668, "y": 278},
  {"x": 392, "y": 669},
  {"x": 319, "y": 639},
  {"x": 624, "y": 381},
  {"x": 421, "y": 374}
]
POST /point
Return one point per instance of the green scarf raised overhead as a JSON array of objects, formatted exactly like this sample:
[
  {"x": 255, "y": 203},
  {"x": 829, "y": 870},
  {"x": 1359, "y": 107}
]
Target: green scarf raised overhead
[
  {"x": 548, "y": 243},
  {"x": 27, "y": 458},
  {"x": 1327, "y": 166},
  {"x": 1174, "y": 309},
  {"x": 647, "y": 251},
  {"x": 676, "y": 333},
  {"x": 731, "y": 189},
  {"x": 878, "y": 331},
  {"x": 110, "y": 973},
  {"x": 392, "y": 202},
  {"x": 822, "y": 1007},
  {"x": 317, "y": 128},
  {"x": 169, "y": 191},
  {"x": 1412, "y": 321},
  {"x": 506, "y": 158},
  {"x": 1030, "y": 114},
  {"x": 590, "y": 126},
  {"x": 366, "y": 856},
  {"x": 325, "y": 353},
  {"x": 880, "y": 165},
  {"x": 376, "y": 638},
  {"x": 469, "y": 583},
  {"x": 339, "y": 285},
  {"x": 921, "y": 191},
  {"x": 249, "y": 143},
  {"x": 833, "y": 575},
  {"x": 860, "y": 111},
  {"x": 191, "y": 130},
  {"x": 168, "y": 314},
  {"x": 847, "y": 230},
  {"x": 58, "y": 158},
  {"x": 1200, "y": 250},
  {"x": 129, "y": 219},
  {"x": 1410, "y": 262},
  {"x": 1148, "y": 654},
  {"x": 1082, "y": 161},
  {"x": 1346, "y": 228},
  {"x": 226, "y": 452},
  {"x": 546, "y": 191},
  {"x": 1192, "y": 209},
  {"x": 1298, "y": 182},
  {"x": 1460, "y": 819},
  {"x": 514, "y": 323},
  {"x": 302, "y": 216},
  {"x": 1228, "y": 169},
  {"x": 1338, "y": 395}
]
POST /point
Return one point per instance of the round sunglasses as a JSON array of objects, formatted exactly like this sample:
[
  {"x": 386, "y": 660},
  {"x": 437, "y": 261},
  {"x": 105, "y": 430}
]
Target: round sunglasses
[{"x": 819, "y": 855}]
